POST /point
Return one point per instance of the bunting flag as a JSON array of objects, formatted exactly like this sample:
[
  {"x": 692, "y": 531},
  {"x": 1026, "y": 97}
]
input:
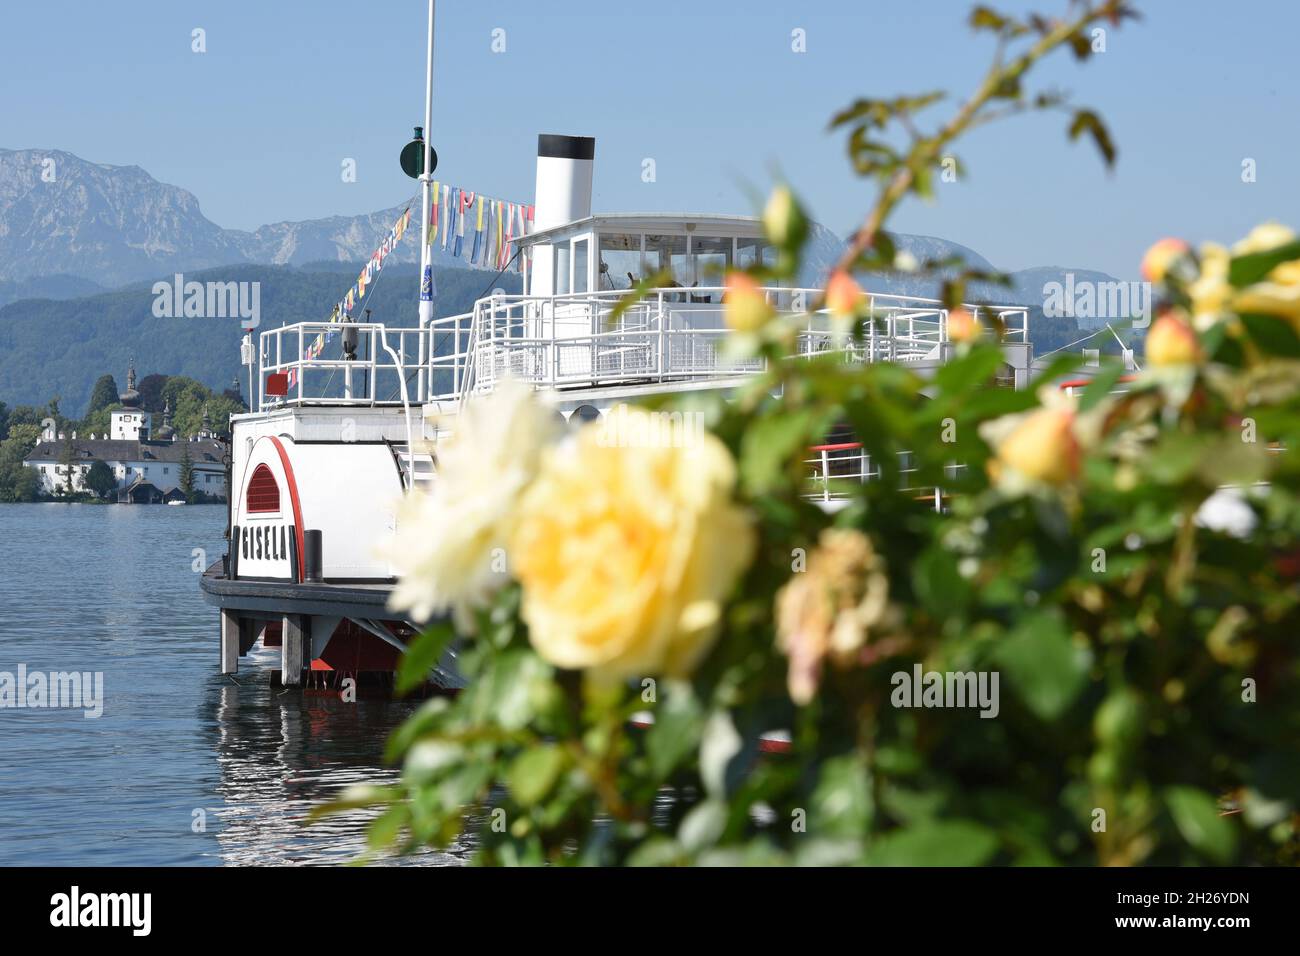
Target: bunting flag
[
  {"x": 446, "y": 214},
  {"x": 433, "y": 214},
  {"x": 466, "y": 200},
  {"x": 498, "y": 226},
  {"x": 493, "y": 234},
  {"x": 478, "y": 231},
  {"x": 510, "y": 235},
  {"x": 498, "y": 243},
  {"x": 453, "y": 215},
  {"x": 357, "y": 293}
]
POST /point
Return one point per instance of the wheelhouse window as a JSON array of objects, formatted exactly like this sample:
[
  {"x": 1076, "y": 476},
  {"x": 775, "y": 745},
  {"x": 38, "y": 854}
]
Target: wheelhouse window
[
  {"x": 668, "y": 253},
  {"x": 751, "y": 251},
  {"x": 710, "y": 259},
  {"x": 581, "y": 254},
  {"x": 620, "y": 261},
  {"x": 562, "y": 261}
]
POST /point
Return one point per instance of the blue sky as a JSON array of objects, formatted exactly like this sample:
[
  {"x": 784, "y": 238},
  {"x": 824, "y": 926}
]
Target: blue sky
[{"x": 258, "y": 126}]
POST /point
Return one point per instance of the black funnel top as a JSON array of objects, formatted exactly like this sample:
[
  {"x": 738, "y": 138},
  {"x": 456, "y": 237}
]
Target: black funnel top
[{"x": 566, "y": 147}]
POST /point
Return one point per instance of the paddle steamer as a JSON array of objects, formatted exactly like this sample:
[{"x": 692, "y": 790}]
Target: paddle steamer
[{"x": 336, "y": 436}]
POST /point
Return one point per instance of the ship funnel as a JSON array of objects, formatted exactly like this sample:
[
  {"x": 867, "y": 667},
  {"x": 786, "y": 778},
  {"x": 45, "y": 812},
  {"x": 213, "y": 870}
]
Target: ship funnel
[{"x": 564, "y": 166}]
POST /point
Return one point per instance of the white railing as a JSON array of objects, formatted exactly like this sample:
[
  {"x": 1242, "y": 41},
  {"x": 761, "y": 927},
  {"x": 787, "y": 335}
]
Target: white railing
[
  {"x": 383, "y": 360},
  {"x": 669, "y": 335},
  {"x": 567, "y": 341},
  {"x": 834, "y": 468}
]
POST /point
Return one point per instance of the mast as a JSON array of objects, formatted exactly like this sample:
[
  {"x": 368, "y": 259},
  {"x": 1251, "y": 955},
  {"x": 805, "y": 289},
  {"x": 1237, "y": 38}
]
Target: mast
[{"x": 426, "y": 185}]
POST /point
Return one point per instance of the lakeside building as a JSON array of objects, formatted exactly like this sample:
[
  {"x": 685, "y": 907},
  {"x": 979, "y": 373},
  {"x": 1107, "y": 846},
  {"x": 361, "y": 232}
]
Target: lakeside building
[{"x": 145, "y": 465}]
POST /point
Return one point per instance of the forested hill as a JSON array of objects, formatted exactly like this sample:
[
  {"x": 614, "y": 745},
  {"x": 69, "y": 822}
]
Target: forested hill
[{"x": 59, "y": 348}]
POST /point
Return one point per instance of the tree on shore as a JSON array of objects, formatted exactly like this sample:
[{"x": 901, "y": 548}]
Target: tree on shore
[
  {"x": 151, "y": 391},
  {"x": 18, "y": 482},
  {"x": 99, "y": 480},
  {"x": 103, "y": 394},
  {"x": 187, "y": 473}
]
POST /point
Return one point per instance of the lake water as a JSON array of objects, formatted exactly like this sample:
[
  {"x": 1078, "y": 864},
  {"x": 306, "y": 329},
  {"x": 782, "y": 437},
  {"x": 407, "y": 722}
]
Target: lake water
[{"x": 113, "y": 589}]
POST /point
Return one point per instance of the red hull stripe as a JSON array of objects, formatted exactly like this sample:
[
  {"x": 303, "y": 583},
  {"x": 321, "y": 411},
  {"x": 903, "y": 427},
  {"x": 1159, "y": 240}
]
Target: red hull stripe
[{"x": 297, "y": 506}]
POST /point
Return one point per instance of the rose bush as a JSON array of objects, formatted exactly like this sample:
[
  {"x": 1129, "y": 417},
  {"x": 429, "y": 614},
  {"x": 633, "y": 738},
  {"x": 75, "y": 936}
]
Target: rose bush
[{"x": 687, "y": 660}]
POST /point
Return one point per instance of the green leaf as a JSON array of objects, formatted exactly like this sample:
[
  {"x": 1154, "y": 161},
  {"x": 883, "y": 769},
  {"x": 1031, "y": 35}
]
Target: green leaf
[
  {"x": 679, "y": 722},
  {"x": 842, "y": 805},
  {"x": 770, "y": 445},
  {"x": 968, "y": 372},
  {"x": 1231, "y": 461},
  {"x": 1100, "y": 386},
  {"x": 1196, "y": 814},
  {"x": 1272, "y": 333},
  {"x": 1173, "y": 458},
  {"x": 356, "y": 797},
  {"x": 1086, "y": 121},
  {"x": 422, "y": 654},
  {"x": 938, "y": 583},
  {"x": 427, "y": 760},
  {"x": 509, "y": 690},
  {"x": 1248, "y": 269},
  {"x": 534, "y": 772},
  {"x": 937, "y": 843},
  {"x": 1044, "y": 667},
  {"x": 986, "y": 18},
  {"x": 387, "y": 827},
  {"x": 703, "y": 825},
  {"x": 1080, "y": 45}
]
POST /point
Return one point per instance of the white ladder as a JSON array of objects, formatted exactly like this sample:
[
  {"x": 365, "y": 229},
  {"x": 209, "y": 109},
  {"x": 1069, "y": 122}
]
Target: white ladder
[{"x": 416, "y": 466}]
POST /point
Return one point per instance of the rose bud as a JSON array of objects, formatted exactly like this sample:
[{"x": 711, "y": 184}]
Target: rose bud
[
  {"x": 1162, "y": 255},
  {"x": 962, "y": 326},
  {"x": 745, "y": 306},
  {"x": 1171, "y": 341},
  {"x": 843, "y": 295}
]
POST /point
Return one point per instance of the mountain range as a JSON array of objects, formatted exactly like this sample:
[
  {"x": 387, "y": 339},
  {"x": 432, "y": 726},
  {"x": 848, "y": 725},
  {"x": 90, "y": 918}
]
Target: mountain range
[
  {"x": 117, "y": 224},
  {"x": 96, "y": 235}
]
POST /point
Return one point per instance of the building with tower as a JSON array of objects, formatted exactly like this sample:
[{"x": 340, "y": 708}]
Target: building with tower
[
  {"x": 148, "y": 467},
  {"x": 130, "y": 422}
]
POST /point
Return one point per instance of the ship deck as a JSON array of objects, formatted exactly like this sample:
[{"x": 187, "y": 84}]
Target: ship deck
[{"x": 274, "y": 599}]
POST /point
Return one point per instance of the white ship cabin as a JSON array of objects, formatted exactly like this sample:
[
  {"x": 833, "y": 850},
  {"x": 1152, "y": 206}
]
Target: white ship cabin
[{"x": 337, "y": 436}]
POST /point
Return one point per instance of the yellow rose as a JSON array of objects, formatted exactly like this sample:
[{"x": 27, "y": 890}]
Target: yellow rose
[
  {"x": 1037, "y": 447},
  {"x": 626, "y": 553},
  {"x": 1265, "y": 236},
  {"x": 1210, "y": 291},
  {"x": 1278, "y": 293},
  {"x": 446, "y": 538}
]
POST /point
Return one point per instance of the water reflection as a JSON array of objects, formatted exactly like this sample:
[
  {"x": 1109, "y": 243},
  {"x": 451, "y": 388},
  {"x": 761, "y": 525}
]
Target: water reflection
[{"x": 282, "y": 752}]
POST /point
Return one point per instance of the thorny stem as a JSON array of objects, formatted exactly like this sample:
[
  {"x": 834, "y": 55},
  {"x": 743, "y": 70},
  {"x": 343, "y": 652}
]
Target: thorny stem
[{"x": 925, "y": 152}]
